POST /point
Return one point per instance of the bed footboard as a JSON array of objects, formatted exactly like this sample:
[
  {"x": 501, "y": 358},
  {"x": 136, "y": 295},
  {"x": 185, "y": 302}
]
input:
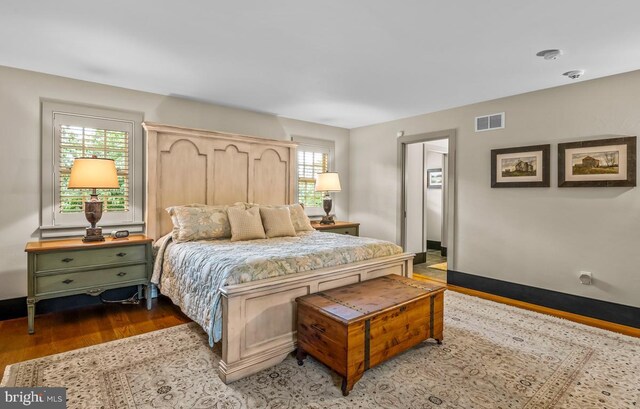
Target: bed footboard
[{"x": 259, "y": 318}]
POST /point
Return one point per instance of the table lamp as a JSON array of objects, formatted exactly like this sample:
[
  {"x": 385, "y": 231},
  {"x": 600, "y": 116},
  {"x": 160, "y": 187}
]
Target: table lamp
[
  {"x": 327, "y": 182},
  {"x": 93, "y": 173}
]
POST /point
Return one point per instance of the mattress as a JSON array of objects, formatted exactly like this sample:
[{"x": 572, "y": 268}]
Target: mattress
[{"x": 192, "y": 273}]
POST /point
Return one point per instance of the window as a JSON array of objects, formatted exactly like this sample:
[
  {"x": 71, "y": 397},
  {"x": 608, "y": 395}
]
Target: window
[
  {"x": 72, "y": 131},
  {"x": 313, "y": 156},
  {"x": 310, "y": 163},
  {"x": 78, "y": 142}
]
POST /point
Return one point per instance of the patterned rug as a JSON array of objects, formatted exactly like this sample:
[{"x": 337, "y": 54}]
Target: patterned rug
[{"x": 493, "y": 356}]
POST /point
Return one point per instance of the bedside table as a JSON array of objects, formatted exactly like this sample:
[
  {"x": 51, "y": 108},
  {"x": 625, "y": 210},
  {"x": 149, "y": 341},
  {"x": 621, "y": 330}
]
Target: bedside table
[
  {"x": 57, "y": 268},
  {"x": 352, "y": 229}
]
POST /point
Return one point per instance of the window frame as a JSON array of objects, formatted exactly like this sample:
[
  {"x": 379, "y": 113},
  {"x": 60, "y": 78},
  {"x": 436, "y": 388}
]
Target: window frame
[
  {"x": 55, "y": 224},
  {"x": 307, "y": 144}
]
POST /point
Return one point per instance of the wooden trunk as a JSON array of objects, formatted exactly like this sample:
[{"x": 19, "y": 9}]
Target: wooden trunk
[{"x": 358, "y": 326}]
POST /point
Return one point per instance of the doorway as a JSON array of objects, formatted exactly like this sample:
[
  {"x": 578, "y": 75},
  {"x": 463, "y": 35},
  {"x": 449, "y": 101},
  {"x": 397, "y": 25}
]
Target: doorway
[{"x": 427, "y": 177}]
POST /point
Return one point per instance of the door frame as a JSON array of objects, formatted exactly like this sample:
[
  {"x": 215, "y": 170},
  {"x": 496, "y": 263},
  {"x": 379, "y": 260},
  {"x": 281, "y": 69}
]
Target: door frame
[{"x": 402, "y": 143}]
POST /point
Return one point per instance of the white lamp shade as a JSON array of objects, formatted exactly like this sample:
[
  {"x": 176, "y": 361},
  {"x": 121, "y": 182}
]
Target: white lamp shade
[
  {"x": 93, "y": 173},
  {"x": 328, "y": 182}
]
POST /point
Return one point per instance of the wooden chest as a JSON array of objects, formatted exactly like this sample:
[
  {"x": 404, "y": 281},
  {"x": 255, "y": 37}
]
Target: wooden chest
[{"x": 358, "y": 326}]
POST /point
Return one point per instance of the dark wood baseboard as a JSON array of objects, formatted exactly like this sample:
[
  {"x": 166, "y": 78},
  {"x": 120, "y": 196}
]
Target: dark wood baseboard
[
  {"x": 420, "y": 258},
  {"x": 434, "y": 245},
  {"x": 602, "y": 310},
  {"x": 17, "y": 307}
]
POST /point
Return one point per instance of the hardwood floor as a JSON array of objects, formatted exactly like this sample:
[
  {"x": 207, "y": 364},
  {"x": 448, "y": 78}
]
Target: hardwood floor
[
  {"x": 78, "y": 328},
  {"x": 425, "y": 270},
  {"x": 593, "y": 322},
  {"x": 82, "y": 327}
]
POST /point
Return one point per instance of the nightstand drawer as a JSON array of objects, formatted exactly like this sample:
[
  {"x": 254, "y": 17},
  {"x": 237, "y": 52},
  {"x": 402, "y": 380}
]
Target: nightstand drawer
[
  {"x": 352, "y": 229},
  {"x": 60, "y": 268},
  {"x": 93, "y": 257},
  {"x": 344, "y": 230},
  {"x": 88, "y": 279}
]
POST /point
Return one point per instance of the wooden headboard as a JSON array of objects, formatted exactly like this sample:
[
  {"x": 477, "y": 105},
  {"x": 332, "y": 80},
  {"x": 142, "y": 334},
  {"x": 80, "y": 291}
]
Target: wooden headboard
[{"x": 197, "y": 166}]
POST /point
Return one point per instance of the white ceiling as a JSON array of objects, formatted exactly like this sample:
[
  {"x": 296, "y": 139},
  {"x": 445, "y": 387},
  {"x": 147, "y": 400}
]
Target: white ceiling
[{"x": 344, "y": 63}]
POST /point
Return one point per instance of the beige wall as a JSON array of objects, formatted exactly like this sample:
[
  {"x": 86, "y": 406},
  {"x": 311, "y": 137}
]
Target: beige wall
[
  {"x": 433, "y": 197},
  {"x": 20, "y": 93},
  {"x": 341, "y": 160},
  {"x": 538, "y": 236}
]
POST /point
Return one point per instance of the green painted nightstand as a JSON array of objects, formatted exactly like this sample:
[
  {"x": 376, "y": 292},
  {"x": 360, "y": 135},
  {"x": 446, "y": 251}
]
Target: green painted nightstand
[
  {"x": 352, "y": 229},
  {"x": 57, "y": 268}
]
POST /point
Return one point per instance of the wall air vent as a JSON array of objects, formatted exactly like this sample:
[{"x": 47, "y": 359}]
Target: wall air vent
[{"x": 490, "y": 122}]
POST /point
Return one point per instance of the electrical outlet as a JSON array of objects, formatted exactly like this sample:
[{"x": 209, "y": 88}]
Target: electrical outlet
[{"x": 586, "y": 277}]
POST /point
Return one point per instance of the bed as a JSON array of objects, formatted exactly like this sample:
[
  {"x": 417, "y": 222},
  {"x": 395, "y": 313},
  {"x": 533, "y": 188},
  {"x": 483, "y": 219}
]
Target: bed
[{"x": 248, "y": 306}]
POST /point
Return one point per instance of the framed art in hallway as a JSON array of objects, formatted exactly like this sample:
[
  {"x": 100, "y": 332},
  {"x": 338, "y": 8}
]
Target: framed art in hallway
[
  {"x": 598, "y": 163},
  {"x": 524, "y": 166},
  {"x": 434, "y": 178}
]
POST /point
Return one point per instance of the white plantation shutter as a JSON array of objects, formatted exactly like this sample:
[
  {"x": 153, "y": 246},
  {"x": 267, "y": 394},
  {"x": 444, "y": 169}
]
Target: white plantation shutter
[
  {"x": 310, "y": 163},
  {"x": 81, "y": 142}
]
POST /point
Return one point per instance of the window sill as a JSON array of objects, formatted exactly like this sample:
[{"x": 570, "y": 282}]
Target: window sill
[{"x": 51, "y": 232}]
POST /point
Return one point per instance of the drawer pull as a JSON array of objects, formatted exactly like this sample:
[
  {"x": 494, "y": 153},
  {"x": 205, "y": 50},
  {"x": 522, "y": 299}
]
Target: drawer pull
[
  {"x": 68, "y": 281},
  {"x": 318, "y": 328},
  {"x": 67, "y": 260},
  {"x": 94, "y": 292},
  {"x": 403, "y": 308},
  {"x": 121, "y": 274},
  {"x": 121, "y": 254}
]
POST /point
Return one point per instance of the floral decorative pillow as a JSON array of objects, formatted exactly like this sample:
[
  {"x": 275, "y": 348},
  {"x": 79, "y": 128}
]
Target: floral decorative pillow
[
  {"x": 199, "y": 222},
  {"x": 299, "y": 218}
]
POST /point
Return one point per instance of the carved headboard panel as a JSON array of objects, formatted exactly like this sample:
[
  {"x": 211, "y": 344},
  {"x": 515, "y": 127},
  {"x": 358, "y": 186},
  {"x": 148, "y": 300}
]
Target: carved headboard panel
[{"x": 196, "y": 166}]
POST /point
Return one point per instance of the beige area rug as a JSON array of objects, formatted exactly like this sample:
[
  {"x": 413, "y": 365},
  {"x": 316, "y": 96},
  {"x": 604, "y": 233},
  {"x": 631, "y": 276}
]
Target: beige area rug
[
  {"x": 439, "y": 266},
  {"x": 493, "y": 356}
]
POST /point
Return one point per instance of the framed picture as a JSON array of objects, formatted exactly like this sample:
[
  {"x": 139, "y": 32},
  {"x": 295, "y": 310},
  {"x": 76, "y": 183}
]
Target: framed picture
[
  {"x": 599, "y": 163},
  {"x": 525, "y": 166},
  {"x": 434, "y": 178}
]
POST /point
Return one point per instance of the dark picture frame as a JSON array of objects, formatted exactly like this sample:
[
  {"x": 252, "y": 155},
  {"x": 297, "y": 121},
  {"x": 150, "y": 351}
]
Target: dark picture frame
[
  {"x": 541, "y": 166},
  {"x": 583, "y": 165},
  {"x": 431, "y": 173}
]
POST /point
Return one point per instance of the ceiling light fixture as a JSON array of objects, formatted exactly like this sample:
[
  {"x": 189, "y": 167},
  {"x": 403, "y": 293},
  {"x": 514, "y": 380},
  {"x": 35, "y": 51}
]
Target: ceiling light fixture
[
  {"x": 574, "y": 74},
  {"x": 552, "y": 54}
]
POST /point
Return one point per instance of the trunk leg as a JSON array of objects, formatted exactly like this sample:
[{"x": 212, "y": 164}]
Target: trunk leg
[{"x": 301, "y": 355}]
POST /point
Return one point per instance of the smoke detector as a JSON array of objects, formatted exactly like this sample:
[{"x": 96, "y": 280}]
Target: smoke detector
[
  {"x": 552, "y": 54},
  {"x": 574, "y": 74}
]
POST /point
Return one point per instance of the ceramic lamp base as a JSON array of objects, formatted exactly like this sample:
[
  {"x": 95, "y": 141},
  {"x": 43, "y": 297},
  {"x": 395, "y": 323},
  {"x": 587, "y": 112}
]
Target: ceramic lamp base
[
  {"x": 327, "y": 220},
  {"x": 93, "y": 213},
  {"x": 327, "y": 204},
  {"x": 93, "y": 234}
]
